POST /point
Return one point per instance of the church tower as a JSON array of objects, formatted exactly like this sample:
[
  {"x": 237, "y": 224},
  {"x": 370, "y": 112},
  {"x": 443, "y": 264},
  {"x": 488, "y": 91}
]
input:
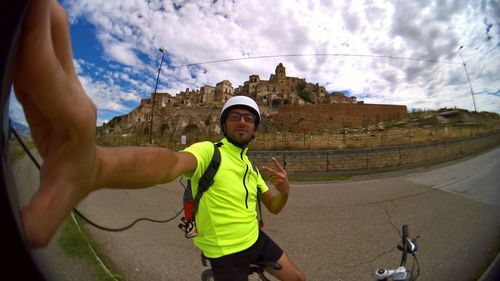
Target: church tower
[{"x": 280, "y": 72}]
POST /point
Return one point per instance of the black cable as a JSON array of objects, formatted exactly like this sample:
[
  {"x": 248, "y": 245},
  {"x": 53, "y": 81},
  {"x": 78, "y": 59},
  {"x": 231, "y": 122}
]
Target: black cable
[
  {"x": 415, "y": 259},
  {"x": 125, "y": 227},
  {"x": 24, "y": 147},
  {"x": 19, "y": 139}
]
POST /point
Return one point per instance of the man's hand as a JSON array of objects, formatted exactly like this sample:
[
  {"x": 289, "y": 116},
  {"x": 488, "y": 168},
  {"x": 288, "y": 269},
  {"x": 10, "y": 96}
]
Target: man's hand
[
  {"x": 61, "y": 117},
  {"x": 278, "y": 177}
]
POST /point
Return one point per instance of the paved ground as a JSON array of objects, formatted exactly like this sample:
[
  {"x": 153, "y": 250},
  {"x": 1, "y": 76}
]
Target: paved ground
[{"x": 332, "y": 231}]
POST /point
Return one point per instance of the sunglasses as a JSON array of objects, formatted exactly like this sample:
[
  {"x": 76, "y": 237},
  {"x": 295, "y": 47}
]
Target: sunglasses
[{"x": 236, "y": 116}]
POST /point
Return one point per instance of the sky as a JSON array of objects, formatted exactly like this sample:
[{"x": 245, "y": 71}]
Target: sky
[{"x": 383, "y": 52}]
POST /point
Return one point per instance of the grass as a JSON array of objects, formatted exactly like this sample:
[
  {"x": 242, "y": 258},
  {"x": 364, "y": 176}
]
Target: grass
[
  {"x": 16, "y": 151},
  {"x": 76, "y": 245}
]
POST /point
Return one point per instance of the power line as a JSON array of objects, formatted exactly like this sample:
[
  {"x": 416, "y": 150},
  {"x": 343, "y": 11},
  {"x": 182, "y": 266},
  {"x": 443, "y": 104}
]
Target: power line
[
  {"x": 131, "y": 92},
  {"x": 313, "y": 55},
  {"x": 137, "y": 86},
  {"x": 284, "y": 56}
]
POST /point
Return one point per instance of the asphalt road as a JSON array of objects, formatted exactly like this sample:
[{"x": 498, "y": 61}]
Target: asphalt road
[{"x": 332, "y": 231}]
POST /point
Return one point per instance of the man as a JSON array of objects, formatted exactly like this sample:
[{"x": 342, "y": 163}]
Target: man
[
  {"x": 48, "y": 88},
  {"x": 228, "y": 231}
]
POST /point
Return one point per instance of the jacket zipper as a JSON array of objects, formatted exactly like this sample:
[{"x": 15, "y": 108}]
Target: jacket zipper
[{"x": 244, "y": 177}]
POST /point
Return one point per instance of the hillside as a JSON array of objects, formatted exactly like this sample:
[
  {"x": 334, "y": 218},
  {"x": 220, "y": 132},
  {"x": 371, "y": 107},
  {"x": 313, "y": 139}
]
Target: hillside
[{"x": 309, "y": 128}]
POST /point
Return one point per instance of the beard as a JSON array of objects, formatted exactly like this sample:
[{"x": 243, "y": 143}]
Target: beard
[{"x": 240, "y": 140}]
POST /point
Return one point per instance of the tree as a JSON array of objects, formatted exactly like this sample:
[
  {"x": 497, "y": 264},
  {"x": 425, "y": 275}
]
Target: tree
[{"x": 303, "y": 93}]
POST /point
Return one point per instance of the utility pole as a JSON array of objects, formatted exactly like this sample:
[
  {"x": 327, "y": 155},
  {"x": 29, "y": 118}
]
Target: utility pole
[
  {"x": 467, "y": 74},
  {"x": 153, "y": 98}
]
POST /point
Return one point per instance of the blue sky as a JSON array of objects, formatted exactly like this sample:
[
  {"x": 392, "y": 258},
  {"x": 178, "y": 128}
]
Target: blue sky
[{"x": 389, "y": 52}]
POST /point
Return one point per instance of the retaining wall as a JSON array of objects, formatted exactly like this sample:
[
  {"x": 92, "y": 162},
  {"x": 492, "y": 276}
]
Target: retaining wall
[{"x": 343, "y": 161}]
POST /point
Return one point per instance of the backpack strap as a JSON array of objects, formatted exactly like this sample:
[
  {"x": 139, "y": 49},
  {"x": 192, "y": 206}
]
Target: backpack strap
[
  {"x": 208, "y": 177},
  {"x": 259, "y": 209},
  {"x": 259, "y": 193}
]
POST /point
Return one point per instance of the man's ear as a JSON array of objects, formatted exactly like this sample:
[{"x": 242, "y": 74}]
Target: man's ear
[{"x": 224, "y": 128}]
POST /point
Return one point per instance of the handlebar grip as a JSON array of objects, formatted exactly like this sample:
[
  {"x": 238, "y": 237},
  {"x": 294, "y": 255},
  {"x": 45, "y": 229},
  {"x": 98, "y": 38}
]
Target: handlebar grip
[
  {"x": 404, "y": 242},
  {"x": 405, "y": 232}
]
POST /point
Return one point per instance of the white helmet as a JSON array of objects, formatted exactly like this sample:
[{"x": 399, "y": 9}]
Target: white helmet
[{"x": 240, "y": 101}]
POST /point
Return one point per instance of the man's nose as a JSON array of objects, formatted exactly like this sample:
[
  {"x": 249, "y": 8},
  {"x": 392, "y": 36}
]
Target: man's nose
[{"x": 242, "y": 121}]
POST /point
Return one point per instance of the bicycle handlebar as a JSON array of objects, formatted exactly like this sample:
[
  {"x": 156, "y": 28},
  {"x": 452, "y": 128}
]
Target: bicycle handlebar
[
  {"x": 400, "y": 273},
  {"x": 405, "y": 249}
]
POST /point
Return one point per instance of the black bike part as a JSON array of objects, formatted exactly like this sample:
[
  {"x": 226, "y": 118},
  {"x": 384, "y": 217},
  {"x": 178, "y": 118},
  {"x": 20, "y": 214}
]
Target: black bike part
[
  {"x": 14, "y": 249},
  {"x": 204, "y": 260},
  {"x": 404, "y": 244},
  {"x": 271, "y": 264},
  {"x": 207, "y": 275}
]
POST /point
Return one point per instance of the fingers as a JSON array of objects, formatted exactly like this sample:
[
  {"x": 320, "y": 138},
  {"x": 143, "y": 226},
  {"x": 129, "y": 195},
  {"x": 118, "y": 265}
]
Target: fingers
[
  {"x": 61, "y": 38},
  {"x": 269, "y": 172},
  {"x": 37, "y": 66},
  {"x": 34, "y": 44},
  {"x": 44, "y": 71},
  {"x": 277, "y": 164},
  {"x": 45, "y": 213},
  {"x": 279, "y": 168}
]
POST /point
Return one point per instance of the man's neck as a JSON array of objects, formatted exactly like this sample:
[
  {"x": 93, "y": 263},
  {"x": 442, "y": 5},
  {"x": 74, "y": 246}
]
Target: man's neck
[{"x": 242, "y": 146}]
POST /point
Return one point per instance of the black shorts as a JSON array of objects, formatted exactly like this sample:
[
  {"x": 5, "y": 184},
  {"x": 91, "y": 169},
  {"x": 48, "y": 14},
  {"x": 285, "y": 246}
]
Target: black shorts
[{"x": 234, "y": 267}]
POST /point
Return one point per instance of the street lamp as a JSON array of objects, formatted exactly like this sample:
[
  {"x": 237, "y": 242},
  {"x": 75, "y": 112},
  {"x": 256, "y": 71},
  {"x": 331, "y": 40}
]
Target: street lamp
[
  {"x": 467, "y": 74},
  {"x": 153, "y": 97}
]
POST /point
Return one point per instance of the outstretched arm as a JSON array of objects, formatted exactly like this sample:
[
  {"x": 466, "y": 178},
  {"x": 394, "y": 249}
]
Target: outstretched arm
[
  {"x": 279, "y": 178},
  {"x": 62, "y": 120},
  {"x": 138, "y": 167}
]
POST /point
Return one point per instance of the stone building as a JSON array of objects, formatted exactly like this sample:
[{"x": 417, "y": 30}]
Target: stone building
[
  {"x": 282, "y": 90},
  {"x": 195, "y": 112},
  {"x": 278, "y": 90},
  {"x": 207, "y": 94},
  {"x": 223, "y": 91}
]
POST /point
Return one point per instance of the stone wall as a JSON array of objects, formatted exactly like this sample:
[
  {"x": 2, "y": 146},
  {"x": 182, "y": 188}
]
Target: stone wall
[
  {"x": 350, "y": 161},
  {"x": 332, "y": 116},
  {"x": 355, "y": 138}
]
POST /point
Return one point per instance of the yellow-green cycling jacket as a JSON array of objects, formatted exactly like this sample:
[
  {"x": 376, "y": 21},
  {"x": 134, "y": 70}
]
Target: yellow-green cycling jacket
[{"x": 226, "y": 220}]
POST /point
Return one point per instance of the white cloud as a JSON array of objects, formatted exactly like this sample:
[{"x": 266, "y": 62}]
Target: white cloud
[
  {"x": 16, "y": 111},
  {"x": 122, "y": 52},
  {"x": 132, "y": 31},
  {"x": 102, "y": 89}
]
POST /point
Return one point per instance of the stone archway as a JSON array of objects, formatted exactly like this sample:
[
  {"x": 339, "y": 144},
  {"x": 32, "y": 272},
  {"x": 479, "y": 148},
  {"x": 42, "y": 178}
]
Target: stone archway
[
  {"x": 192, "y": 133},
  {"x": 164, "y": 130}
]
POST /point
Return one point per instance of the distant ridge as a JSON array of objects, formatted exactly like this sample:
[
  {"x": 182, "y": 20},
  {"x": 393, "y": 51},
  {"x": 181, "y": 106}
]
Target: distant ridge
[{"x": 21, "y": 129}]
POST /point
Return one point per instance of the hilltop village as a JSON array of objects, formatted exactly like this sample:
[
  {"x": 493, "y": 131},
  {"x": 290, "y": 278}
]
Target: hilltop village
[
  {"x": 277, "y": 91},
  {"x": 287, "y": 103}
]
